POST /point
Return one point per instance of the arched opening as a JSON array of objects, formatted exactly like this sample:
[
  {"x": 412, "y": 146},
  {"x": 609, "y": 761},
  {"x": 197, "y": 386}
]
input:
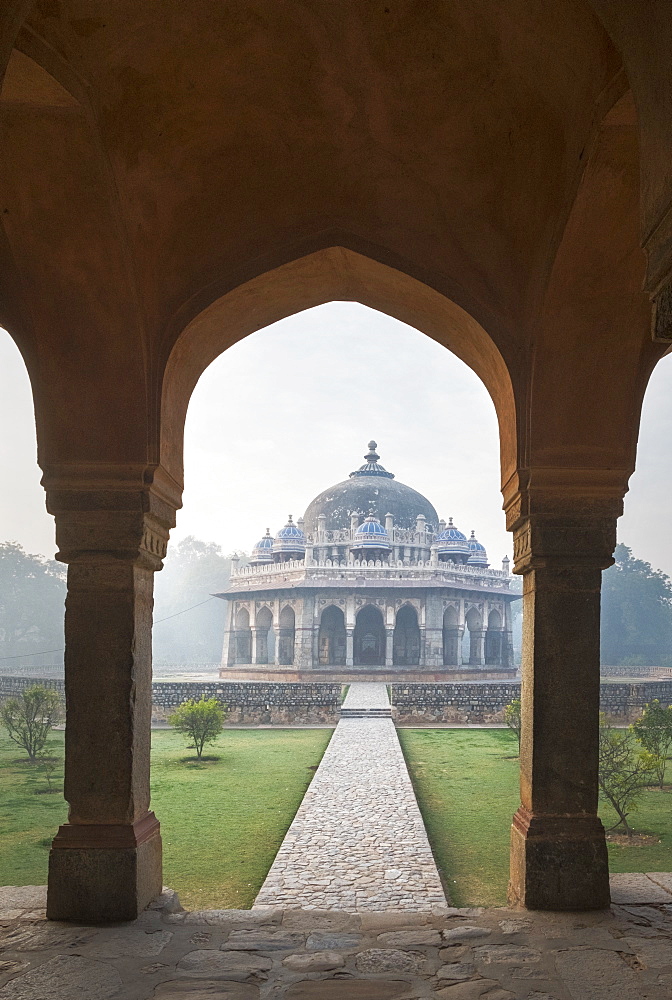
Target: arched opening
[
  {"x": 474, "y": 622},
  {"x": 406, "y": 639},
  {"x": 452, "y": 636},
  {"x": 243, "y": 637},
  {"x": 285, "y": 641},
  {"x": 332, "y": 637},
  {"x": 263, "y": 637},
  {"x": 494, "y": 639},
  {"x": 369, "y": 637}
]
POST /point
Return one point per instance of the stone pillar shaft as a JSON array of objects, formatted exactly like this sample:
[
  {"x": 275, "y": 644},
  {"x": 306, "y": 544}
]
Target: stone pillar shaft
[
  {"x": 558, "y": 849},
  {"x": 389, "y": 647},
  {"x": 349, "y": 647},
  {"x": 105, "y": 862},
  {"x": 476, "y": 647}
]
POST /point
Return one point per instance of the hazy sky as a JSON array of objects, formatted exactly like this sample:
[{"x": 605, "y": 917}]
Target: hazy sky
[{"x": 286, "y": 413}]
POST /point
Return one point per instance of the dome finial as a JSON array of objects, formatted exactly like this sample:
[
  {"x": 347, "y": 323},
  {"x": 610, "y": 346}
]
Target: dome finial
[{"x": 371, "y": 456}]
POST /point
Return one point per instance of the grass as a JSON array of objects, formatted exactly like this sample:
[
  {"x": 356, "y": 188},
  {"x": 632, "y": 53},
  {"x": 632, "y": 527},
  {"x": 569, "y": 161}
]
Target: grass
[
  {"x": 222, "y": 819},
  {"x": 467, "y": 786}
]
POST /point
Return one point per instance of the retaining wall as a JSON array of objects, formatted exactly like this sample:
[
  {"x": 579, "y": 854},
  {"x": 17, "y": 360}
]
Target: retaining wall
[{"x": 252, "y": 703}]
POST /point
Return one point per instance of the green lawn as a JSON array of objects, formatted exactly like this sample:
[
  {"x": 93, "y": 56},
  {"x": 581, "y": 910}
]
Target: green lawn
[
  {"x": 222, "y": 821},
  {"x": 466, "y": 781}
]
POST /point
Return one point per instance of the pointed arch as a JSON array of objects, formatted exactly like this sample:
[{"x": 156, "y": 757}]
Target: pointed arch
[
  {"x": 369, "y": 637},
  {"x": 406, "y": 638},
  {"x": 331, "y": 642}
]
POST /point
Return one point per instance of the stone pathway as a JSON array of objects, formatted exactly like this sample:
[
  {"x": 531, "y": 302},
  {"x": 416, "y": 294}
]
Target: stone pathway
[
  {"x": 358, "y": 841},
  {"x": 267, "y": 953}
]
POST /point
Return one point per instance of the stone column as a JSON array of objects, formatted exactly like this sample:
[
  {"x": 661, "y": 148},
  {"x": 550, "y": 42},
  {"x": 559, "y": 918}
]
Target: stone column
[
  {"x": 349, "y": 647},
  {"x": 476, "y": 647},
  {"x": 558, "y": 850},
  {"x": 105, "y": 862},
  {"x": 389, "y": 646},
  {"x": 453, "y": 641}
]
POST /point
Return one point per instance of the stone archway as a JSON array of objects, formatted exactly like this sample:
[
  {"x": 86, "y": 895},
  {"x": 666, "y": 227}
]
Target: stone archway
[
  {"x": 243, "y": 636},
  {"x": 263, "y": 637},
  {"x": 285, "y": 637},
  {"x": 369, "y": 637},
  {"x": 452, "y": 637},
  {"x": 332, "y": 637},
  {"x": 406, "y": 638}
]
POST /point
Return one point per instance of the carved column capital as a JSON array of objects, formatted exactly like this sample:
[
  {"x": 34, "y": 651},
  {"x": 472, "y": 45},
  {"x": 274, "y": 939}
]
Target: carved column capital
[
  {"x": 661, "y": 314},
  {"x": 108, "y": 512},
  {"x": 564, "y": 517}
]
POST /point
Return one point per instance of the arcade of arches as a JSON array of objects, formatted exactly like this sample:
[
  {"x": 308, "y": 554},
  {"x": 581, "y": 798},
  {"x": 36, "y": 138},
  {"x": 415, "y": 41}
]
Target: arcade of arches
[{"x": 175, "y": 176}]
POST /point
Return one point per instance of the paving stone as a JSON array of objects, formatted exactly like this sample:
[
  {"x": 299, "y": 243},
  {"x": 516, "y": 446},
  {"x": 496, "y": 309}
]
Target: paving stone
[
  {"x": 35, "y": 937},
  {"x": 325, "y": 920},
  {"x": 514, "y": 926},
  {"x": 324, "y": 941},
  {"x": 636, "y": 889},
  {"x": 187, "y": 989},
  {"x": 655, "y": 953},
  {"x": 408, "y": 939},
  {"x": 454, "y": 952},
  {"x": 128, "y": 942},
  {"x": 466, "y": 933},
  {"x": 506, "y": 954},
  {"x": 390, "y": 960},
  {"x": 317, "y": 961},
  {"x": 236, "y": 918},
  {"x": 16, "y": 898},
  {"x": 663, "y": 879},
  {"x": 358, "y": 842},
  {"x": 347, "y": 989},
  {"x": 597, "y": 975},
  {"x": 12, "y": 965},
  {"x": 65, "y": 977},
  {"x": 488, "y": 988},
  {"x": 263, "y": 940},
  {"x": 227, "y": 964}
]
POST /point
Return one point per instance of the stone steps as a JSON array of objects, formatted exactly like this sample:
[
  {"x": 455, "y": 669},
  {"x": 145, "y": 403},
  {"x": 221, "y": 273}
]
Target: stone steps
[{"x": 366, "y": 713}]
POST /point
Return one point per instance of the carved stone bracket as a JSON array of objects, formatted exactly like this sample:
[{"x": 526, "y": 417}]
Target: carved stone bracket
[{"x": 661, "y": 316}]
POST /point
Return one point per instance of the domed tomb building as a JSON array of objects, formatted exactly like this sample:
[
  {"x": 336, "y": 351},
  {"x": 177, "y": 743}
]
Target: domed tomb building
[{"x": 368, "y": 581}]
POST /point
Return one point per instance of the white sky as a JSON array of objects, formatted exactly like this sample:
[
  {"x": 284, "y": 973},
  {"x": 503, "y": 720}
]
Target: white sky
[{"x": 285, "y": 413}]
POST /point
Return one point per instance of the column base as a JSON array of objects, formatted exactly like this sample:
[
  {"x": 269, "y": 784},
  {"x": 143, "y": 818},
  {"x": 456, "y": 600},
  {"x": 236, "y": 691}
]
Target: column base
[
  {"x": 558, "y": 863},
  {"x": 104, "y": 873}
]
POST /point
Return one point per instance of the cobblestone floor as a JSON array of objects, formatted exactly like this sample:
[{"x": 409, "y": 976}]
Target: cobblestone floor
[
  {"x": 358, "y": 841},
  {"x": 271, "y": 954}
]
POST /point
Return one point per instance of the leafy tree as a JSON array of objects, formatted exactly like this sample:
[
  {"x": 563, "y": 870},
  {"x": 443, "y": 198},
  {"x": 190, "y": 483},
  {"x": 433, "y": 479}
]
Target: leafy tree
[
  {"x": 653, "y": 730},
  {"x": 193, "y": 571},
  {"x": 512, "y": 718},
  {"x": 32, "y": 598},
  {"x": 624, "y": 771},
  {"x": 29, "y": 718},
  {"x": 636, "y": 612},
  {"x": 201, "y": 721}
]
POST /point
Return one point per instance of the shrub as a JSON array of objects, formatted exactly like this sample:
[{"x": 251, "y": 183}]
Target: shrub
[
  {"x": 29, "y": 718},
  {"x": 201, "y": 721},
  {"x": 624, "y": 771},
  {"x": 512, "y": 718},
  {"x": 654, "y": 731}
]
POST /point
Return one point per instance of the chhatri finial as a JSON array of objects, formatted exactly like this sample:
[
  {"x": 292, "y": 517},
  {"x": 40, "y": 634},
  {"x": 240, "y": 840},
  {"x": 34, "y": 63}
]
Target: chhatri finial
[
  {"x": 371, "y": 456},
  {"x": 450, "y": 522}
]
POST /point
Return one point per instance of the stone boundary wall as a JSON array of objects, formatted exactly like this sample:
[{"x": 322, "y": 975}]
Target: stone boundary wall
[
  {"x": 424, "y": 704},
  {"x": 416, "y": 704}
]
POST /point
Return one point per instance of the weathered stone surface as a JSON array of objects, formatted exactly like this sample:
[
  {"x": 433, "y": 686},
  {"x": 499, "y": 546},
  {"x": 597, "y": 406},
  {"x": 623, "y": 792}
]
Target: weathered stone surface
[
  {"x": 457, "y": 971},
  {"x": 22, "y": 897},
  {"x": 129, "y": 942},
  {"x": 317, "y": 961},
  {"x": 407, "y": 939},
  {"x": 637, "y": 889},
  {"x": 515, "y": 926},
  {"x": 227, "y": 964},
  {"x": 321, "y": 920},
  {"x": 325, "y": 941},
  {"x": 510, "y": 954},
  {"x": 597, "y": 975},
  {"x": 349, "y": 989},
  {"x": 453, "y": 952},
  {"x": 34, "y": 937},
  {"x": 262, "y": 940},
  {"x": 204, "y": 990},
  {"x": 489, "y": 988},
  {"x": 390, "y": 960},
  {"x": 466, "y": 933},
  {"x": 11, "y": 965},
  {"x": 663, "y": 879},
  {"x": 64, "y": 978},
  {"x": 236, "y": 918}
]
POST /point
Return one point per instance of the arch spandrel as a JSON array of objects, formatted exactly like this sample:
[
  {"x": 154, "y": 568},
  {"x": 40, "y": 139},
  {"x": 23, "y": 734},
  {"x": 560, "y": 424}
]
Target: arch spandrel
[{"x": 334, "y": 273}]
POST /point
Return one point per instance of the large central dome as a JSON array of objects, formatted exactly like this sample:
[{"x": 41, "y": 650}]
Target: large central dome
[{"x": 370, "y": 490}]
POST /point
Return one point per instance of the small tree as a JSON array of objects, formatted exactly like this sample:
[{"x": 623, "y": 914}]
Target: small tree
[
  {"x": 201, "y": 721},
  {"x": 654, "y": 731},
  {"x": 29, "y": 718},
  {"x": 624, "y": 771},
  {"x": 512, "y": 718},
  {"x": 48, "y": 765}
]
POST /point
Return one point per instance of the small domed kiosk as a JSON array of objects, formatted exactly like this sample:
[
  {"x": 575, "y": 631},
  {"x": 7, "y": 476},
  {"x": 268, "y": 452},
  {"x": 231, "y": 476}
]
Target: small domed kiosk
[{"x": 370, "y": 581}]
